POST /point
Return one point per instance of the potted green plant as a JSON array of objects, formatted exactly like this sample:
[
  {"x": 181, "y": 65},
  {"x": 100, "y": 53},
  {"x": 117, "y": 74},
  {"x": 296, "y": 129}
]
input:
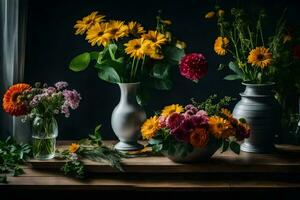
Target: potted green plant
[{"x": 257, "y": 60}]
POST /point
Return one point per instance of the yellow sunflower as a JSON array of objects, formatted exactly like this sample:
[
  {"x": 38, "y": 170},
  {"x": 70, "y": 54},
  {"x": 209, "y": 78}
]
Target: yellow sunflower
[
  {"x": 98, "y": 34},
  {"x": 156, "y": 37},
  {"x": 210, "y": 14},
  {"x": 73, "y": 147},
  {"x": 150, "y": 127},
  {"x": 219, "y": 126},
  {"x": 153, "y": 51},
  {"x": 168, "y": 110},
  {"x": 87, "y": 22},
  {"x": 137, "y": 47},
  {"x": 117, "y": 29},
  {"x": 221, "y": 44},
  {"x": 260, "y": 57},
  {"x": 135, "y": 28}
]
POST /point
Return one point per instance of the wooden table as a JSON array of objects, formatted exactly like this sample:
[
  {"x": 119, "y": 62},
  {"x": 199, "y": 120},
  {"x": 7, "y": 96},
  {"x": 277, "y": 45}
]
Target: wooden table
[{"x": 224, "y": 172}]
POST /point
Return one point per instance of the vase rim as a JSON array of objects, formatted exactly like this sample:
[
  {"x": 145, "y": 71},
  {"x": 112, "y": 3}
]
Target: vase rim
[{"x": 258, "y": 84}]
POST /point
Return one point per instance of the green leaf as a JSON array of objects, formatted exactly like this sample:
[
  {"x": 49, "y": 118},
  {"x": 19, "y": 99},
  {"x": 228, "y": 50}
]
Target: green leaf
[
  {"x": 235, "y": 147},
  {"x": 97, "y": 129},
  {"x": 94, "y": 55},
  {"x": 235, "y": 68},
  {"x": 161, "y": 84},
  {"x": 232, "y": 77},
  {"x": 225, "y": 146},
  {"x": 143, "y": 96},
  {"x": 80, "y": 62},
  {"x": 161, "y": 70},
  {"x": 173, "y": 54}
]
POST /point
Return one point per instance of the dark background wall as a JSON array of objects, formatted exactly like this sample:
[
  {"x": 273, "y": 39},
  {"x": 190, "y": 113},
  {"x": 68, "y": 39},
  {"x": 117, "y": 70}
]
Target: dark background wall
[{"x": 51, "y": 44}]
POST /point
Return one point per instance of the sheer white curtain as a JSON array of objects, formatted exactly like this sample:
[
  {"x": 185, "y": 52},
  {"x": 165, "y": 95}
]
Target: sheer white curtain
[{"x": 13, "y": 34}]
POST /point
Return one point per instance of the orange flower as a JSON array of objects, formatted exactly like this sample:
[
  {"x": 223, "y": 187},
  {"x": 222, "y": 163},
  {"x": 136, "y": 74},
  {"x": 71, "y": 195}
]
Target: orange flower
[
  {"x": 73, "y": 147},
  {"x": 12, "y": 102},
  {"x": 199, "y": 137}
]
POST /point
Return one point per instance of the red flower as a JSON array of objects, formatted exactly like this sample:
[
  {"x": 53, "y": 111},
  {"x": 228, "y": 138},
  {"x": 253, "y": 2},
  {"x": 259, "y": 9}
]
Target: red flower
[
  {"x": 193, "y": 66},
  {"x": 12, "y": 102}
]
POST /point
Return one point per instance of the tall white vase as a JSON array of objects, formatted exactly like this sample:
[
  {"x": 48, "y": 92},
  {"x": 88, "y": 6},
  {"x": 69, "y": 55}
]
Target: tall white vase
[{"x": 127, "y": 118}]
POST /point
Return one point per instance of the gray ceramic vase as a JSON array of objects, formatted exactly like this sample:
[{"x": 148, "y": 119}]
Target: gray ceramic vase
[
  {"x": 127, "y": 118},
  {"x": 198, "y": 154},
  {"x": 261, "y": 110}
]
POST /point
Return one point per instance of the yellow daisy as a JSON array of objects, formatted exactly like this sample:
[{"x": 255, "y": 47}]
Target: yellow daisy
[
  {"x": 221, "y": 44},
  {"x": 137, "y": 48},
  {"x": 98, "y": 34},
  {"x": 260, "y": 57},
  {"x": 156, "y": 37},
  {"x": 73, "y": 147},
  {"x": 117, "y": 29},
  {"x": 87, "y": 22},
  {"x": 168, "y": 110},
  {"x": 153, "y": 51},
  {"x": 219, "y": 127},
  {"x": 210, "y": 14},
  {"x": 135, "y": 28},
  {"x": 150, "y": 127}
]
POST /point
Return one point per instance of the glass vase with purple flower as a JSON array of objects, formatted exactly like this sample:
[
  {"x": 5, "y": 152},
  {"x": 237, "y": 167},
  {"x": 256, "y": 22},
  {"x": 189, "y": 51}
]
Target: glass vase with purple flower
[{"x": 44, "y": 104}]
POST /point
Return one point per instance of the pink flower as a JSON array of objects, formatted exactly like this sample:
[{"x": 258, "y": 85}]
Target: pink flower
[
  {"x": 181, "y": 135},
  {"x": 174, "y": 120},
  {"x": 193, "y": 66},
  {"x": 162, "y": 121}
]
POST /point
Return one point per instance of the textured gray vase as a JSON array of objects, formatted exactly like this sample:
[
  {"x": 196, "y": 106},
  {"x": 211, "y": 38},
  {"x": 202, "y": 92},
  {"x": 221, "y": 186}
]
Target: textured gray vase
[
  {"x": 127, "y": 118},
  {"x": 261, "y": 110}
]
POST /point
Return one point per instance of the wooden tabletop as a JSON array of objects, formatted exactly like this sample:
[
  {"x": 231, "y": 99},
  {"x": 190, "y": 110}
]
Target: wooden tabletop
[{"x": 223, "y": 172}]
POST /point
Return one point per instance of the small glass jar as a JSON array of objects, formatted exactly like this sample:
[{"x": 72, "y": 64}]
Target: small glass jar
[{"x": 44, "y": 134}]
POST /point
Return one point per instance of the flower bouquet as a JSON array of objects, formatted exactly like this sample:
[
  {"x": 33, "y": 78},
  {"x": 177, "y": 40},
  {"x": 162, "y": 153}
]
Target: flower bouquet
[
  {"x": 260, "y": 60},
  {"x": 40, "y": 104},
  {"x": 136, "y": 59},
  {"x": 194, "y": 132}
]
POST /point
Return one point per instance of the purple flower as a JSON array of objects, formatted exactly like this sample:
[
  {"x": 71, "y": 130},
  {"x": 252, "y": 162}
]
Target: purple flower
[
  {"x": 65, "y": 110},
  {"x": 72, "y": 98},
  {"x": 199, "y": 121},
  {"x": 50, "y": 90},
  {"x": 61, "y": 85},
  {"x": 191, "y": 108},
  {"x": 174, "y": 120}
]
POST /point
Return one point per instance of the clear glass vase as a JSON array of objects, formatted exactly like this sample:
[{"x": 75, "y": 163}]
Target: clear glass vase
[{"x": 44, "y": 134}]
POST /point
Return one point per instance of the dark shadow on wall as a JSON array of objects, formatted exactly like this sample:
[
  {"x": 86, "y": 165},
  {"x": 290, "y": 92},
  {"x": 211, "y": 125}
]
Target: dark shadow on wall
[{"x": 51, "y": 44}]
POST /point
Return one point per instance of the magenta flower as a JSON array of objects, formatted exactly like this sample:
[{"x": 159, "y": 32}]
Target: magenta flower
[
  {"x": 193, "y": 66},
  {"x": 72, "y": 98},
  {"x": 174, "y": 120}
]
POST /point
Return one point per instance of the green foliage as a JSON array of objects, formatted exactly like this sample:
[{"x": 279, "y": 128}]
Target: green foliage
[
  {"x": 212, "y": 105},
  {"x": 91, "y": 148},
  {"x": 74, "y": 168},
  {"x": 163, "y": 142},
  {"x": 12, "y": 156},
  {"x": 80, "y": 62}
]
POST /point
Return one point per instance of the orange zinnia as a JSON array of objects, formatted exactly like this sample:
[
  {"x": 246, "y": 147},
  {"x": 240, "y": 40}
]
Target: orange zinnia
[
  {"x": 12, "y": 103},
  {"x": 199, "y": 137}
]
